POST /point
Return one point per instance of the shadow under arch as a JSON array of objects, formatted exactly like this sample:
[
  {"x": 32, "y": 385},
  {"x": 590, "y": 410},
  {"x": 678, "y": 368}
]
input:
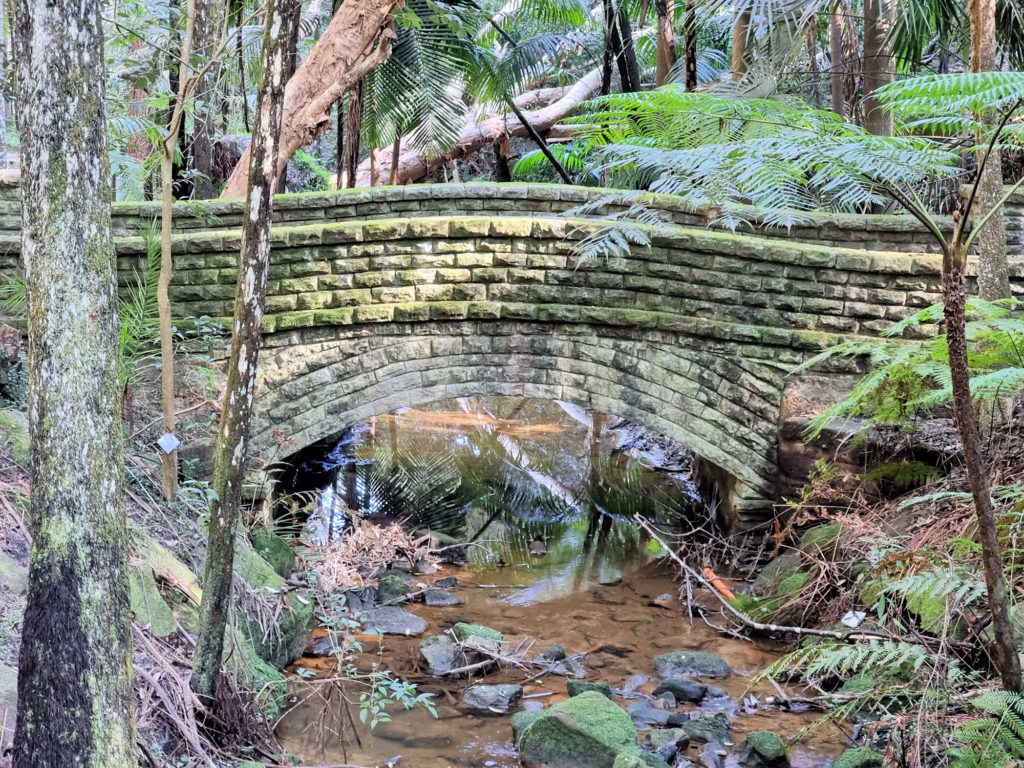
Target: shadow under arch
[{"x": 720, "y": 405}]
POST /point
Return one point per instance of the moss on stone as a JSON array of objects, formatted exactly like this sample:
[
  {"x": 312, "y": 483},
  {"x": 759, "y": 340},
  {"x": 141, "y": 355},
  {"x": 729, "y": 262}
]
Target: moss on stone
[
  {"x": 274, "y": 550},
  {"x": 791, "y": 585},
  {"x": 821, "y": 540},
  {"x": 766, "y": 744},
  {"x": 467, "y": 632},
  {"x": 148, "y": 605},
  {"x": 14, "y": 433},
  {"x": 861, "y": 757},
  {"x": 587, "y": 731},
  {"x": 775, "y": 572}
]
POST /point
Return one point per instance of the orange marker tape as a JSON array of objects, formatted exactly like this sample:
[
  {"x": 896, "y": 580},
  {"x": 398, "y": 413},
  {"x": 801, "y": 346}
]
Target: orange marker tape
[{"x": 718, "y": 584}]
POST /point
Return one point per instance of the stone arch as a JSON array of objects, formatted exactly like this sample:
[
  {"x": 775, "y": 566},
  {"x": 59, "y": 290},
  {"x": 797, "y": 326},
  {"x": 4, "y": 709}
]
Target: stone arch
[{"x": 723, "y": 406}]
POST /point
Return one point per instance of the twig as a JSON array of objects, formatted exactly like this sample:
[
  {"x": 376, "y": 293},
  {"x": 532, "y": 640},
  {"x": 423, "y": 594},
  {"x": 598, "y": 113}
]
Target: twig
[{"x": 176, "y": 413}]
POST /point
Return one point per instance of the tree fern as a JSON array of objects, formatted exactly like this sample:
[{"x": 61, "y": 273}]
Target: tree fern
[{"x": 996, "y": 739}]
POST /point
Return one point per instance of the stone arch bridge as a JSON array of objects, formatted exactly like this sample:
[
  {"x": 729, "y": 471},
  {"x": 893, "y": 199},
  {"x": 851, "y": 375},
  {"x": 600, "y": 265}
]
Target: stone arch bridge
[{"x": 385, "y": 298}]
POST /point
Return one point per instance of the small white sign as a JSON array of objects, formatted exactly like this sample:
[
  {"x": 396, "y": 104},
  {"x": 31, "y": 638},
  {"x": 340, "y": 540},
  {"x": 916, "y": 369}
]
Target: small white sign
[
  {"x": 853, "y": 619},
  {"x": 168, "y": 443}
]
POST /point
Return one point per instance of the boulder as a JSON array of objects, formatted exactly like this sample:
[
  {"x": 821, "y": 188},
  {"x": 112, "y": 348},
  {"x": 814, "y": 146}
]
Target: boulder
[
  {"x": 638, "y": 760},
  {"x": 646, "y": 715},
  {"x": 554, "y": 653},
  {"x": 150, "y": 609},
  {"x": 679, "y": 664},
  {"x": 710, "y": 729},
  {"x": 477, "y": 636},
  {"x": 523, "y": 718},
  {"x": 860, "y": 757},
  {"x": 392, "y": 620},
  {"x": 391, "y": 586},
  {"x": 821, "y": 540},
  {"x": 656, "y": 739},
  {"x": 275, "y": 551},
  {"x": 498, "y": 699},
  {"x": 439, "y": 598},
  {"x": 775, "y": 572},
  {"x": 439, "y": 652},
  {"x": 586, "y": 731},
  {"x": 448, "y": 582},
  {"x": 576, "y": 687},
  {"x": 761, "y": 749}
]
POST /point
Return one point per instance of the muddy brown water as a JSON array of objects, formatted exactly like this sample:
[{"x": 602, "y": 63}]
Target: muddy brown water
[{"x": 620, "y": 628}]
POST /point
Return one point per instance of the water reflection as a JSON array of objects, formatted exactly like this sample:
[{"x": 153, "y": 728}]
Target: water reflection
[{"x": 544, "y": 492}]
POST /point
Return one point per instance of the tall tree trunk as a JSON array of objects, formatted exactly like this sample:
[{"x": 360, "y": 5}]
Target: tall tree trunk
[
  {"x": 356, "y": 42},
  {"x": 340, "y": 147},
  {"x": 837, "y": 77},
  {"x": 374, "y": 167},
  {"x": 75, "y": 698},
  {"x": 608, "y": 56},
  {"x": 666, "y": 48},
  {"x": 353, "y": 123},
  {"x": 954, "y": 297},
  {"x": 3, "y": 101},
  {"x": 690, "y": 43},
  {"x": 993, "y": 268},
  {"x": 629, "y": 69},
  {"x": 240, "y": 57},
  {"x": 231, "y": 449},
  {"x": 209, "y": 29},
  {"x": 879, "y": 65},
  {"x": 740, "y": 36},
  {"x": 396, "y": 152},
  {"x": 169, "y": 458}
]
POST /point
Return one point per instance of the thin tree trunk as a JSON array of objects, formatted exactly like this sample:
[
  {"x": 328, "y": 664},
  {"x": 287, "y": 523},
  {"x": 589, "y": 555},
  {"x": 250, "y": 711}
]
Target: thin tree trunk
[
  {"x": 666, "y": 47},
  {"x": 169, "y": 459},
  {"x": 231, "y": 450},
  {"x": 356, "y": 42},
  {"x": 740, "y": 34},
  {"x": 374, "y": 167},
  {"x": 340, "y": 147},
  {"x": 240, "y": 54},
  {"x": 690, "y": 42},
  {"x": 3, "y": 102},
  {"x": 879, "y": 65},
  {"x": 838, "y": 72},
  {"x": 396, "y": 152},
  {"x": 353, "y": 124},
  {"x": 993, "y": 267},
  {"x": 954, "y": 296},
  {"x": 75, "y": 697},
  {"x": 608, "y": 59},
  {"x": 209, "y": 28}
]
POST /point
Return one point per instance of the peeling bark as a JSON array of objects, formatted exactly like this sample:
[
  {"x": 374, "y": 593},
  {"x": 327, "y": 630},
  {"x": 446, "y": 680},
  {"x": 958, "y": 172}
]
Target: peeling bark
[
  {"x": 75, "y": 696},
  {"x": 666, "y": 48},
  {"x": 356, "y": 42},
  {"x": 740, "y": 33},
  {"x": 231, "y": 449}
]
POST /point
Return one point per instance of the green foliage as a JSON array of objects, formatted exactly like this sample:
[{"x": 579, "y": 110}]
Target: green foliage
[
  {"x": 906, "y": 380},
  {"x": 13, "y": 295},
  {"x": 996, "y": 739},
  {"x": 138, "y": 310},
  {"x": 309, "y": 164}
]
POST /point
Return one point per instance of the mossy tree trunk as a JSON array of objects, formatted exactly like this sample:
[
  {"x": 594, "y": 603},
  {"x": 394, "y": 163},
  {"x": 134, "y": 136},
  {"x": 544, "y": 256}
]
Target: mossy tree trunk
[
  {"x": 75, "y": 667},
  {"x": 993, "y": 267},
  {"x": 236, "y": 411}
]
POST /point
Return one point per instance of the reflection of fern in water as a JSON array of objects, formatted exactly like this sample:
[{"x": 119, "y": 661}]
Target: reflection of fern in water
[{"x": 995, "y": 740}]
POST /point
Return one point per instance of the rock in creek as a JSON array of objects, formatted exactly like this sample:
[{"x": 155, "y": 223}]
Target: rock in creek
[
  {"x": 391, "y": 586},
  {"x": 576, "y": 687},
  {"x": 448, "y": 582},
  {"x": 439, "y": 598},
  {"x": 680, "y": 664},
  {"x": 683, "y": 689},
  {"x": 392, "y": 620},
  {"x": 498, "y": 699},
  {"x": 477, "y": 636},
  {"x": 762, "y": 749},
  {"x": 586, "y": 731},
  {"x": 646, "y": 715},
  {"x": 440, "y": 653}
]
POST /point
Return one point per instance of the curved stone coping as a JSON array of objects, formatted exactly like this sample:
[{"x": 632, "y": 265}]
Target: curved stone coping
[{"x": 888, "y": 232}]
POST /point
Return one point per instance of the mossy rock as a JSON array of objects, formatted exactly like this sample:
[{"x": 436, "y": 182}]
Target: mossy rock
[
  {"x": 8, "y": 697},
  {"x": 295, "y": 622},
  {"x": 391, "y": 587},
  {"x": 255, "y": 673},
  {"x": 822, "y": 540},
  {"x": 657, "y": 738},
  {"x": 577, "y": 687},
  {"x": 477, "y": 635},
  {"x": 274, "y": 550},
  {"x": 627, "y": 759},
  {"x": 775, "y": 572},
  {"x": 792, "y": 585},
  {"x": 586, "y": 731},
  {"x": 150, "y": 609},
  {"x": 14, "y": 434},
  {"x": 710, "y": 729},
  {"x": 762, "y": 749},
  {"x": 523, "y": 718},
  {"x": 860, "y": 757}
]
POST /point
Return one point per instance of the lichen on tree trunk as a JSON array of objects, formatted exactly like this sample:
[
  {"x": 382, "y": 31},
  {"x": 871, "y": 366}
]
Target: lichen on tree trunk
[
  {"x": 75, "y": 671},
  {"x": 239, "y": 395}
]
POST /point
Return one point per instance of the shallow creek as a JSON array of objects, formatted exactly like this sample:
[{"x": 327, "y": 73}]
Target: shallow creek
[{"x": 598, "y": 590}]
